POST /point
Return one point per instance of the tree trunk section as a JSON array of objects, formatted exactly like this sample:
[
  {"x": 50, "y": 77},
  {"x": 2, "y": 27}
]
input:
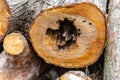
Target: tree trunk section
[
  {"x": 64, "y": 33},
  {"x": 112, "y": 56}
]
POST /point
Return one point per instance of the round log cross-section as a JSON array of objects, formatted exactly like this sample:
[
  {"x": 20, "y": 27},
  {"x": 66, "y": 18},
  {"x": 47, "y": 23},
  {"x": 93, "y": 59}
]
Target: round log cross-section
[
  {"x": 74, "y": 75},
  {"x": 70, "y": 36},
  {"x": 14, "y": 43},
  {"x": 5, "y": 15}
]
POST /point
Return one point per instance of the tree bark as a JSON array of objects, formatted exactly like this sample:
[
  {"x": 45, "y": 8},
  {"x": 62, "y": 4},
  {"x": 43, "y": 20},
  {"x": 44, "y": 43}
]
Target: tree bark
[
  {"x": 20, "y": 6},
  {"x": 112, "y": 56},
  {"x": 24, "y": 10}
]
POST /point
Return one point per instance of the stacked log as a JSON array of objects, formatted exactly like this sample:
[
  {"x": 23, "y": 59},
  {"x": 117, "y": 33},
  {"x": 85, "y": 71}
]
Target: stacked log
[
  {"x": 70, "y": 36},
  {"x": 18, "y": 62}
]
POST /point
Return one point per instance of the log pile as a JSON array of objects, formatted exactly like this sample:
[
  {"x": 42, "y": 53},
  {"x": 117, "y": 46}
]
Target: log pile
[{"x": 68, "y": 36}]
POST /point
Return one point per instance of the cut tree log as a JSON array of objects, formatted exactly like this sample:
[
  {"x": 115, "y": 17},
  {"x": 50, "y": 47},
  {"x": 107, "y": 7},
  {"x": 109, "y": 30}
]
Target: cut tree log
[
  {"x": 17, "y": 61},
  {"x": 112, "y": 56},
  {"x": 5, "y": 15},
  {"x": 14, "y": 43},
  {"x": 72, "y": 36},
  {"x": 74, "y": 75}
]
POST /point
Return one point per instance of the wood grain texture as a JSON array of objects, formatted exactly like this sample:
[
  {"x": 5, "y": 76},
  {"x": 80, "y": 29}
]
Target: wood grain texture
[
  {"x": 112, "y": 57},
  {"x": 14, "y": 43},
  {"x": 72, "y": 57}
]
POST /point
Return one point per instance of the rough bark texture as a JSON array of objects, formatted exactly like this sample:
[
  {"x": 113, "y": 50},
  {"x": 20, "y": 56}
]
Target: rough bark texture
[
  {"x": 20, "y": 6},
  {"x": 24, "y": 10},
  {"x": 112, "y": 57}
]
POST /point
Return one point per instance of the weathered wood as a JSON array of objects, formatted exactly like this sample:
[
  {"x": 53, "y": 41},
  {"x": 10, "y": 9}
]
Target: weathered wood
[
  {"x": 23, "y": 10},
  {"x": 112, "y": 56},
  {"x": 20, "y": 6}
]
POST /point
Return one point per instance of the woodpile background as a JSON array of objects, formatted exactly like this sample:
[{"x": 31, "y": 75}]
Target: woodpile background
[{"x": 19, "y": 60}]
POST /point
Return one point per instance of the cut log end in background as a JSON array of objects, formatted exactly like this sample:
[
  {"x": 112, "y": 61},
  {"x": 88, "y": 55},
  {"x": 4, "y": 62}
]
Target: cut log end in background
[
  {"x": 74, "y": 75},
  {"x": 72, "y": 36},
  {"x": 5, "y": 15}
]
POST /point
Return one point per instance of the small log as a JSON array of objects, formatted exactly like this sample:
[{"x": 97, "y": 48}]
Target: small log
[
  {"x": 18, "y": 62},
  {"x": 74, "y": 75},
  {"x": 5, "y": 15},
  {"x": 14, "y": 43},
  {"x": 70, "y": 36}
]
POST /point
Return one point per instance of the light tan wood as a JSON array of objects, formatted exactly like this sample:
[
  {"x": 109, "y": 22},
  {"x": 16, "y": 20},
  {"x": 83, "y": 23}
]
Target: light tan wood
[
  {"x": 14, "y": 43},
  {"x": 74, "y": 75},
  {"x": 5, "y": 15},
  {"x": 88, "y": 46}
]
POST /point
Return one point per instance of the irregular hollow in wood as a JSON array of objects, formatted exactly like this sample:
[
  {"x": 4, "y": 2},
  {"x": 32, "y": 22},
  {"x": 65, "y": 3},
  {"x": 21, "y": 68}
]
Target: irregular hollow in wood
[
  {"x": 24, "y": 66},
  {"x": 5, "y": 15},
  {"x": 14, "y": 43},
  {"x": 71, "y": 36},
  {"x": 74, "y": 75}
]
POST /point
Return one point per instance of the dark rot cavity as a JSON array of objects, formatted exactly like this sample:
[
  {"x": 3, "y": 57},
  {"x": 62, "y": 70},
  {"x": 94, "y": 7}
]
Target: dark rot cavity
[{"x": 66, "y": 35}]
